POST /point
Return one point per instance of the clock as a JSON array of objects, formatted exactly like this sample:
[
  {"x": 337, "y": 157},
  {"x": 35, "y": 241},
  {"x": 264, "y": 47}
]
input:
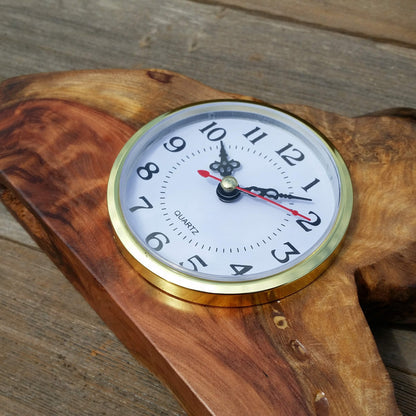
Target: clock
[{"x": 229, "y": 203}]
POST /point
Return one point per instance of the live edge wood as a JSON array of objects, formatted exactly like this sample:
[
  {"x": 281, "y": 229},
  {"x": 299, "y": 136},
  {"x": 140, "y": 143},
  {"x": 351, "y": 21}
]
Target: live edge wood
[{"x": 310, "y": 353}]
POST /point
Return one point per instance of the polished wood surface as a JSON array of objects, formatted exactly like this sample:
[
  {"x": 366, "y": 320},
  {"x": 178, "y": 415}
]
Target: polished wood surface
[
  {"x": 55, "y": 158},
  {"x": 234, "y": 49}
]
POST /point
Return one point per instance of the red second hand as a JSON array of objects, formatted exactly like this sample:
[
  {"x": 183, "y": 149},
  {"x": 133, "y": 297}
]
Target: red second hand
[{"x": 206, "y": 174}]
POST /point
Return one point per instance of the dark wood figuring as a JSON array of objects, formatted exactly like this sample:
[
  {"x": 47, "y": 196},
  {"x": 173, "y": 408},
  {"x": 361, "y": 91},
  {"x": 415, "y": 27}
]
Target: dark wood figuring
[{"x": 55, "y": 157}]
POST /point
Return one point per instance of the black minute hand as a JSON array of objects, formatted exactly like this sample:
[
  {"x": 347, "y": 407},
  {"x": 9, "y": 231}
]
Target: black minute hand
[{"x": 273, "y": 193}]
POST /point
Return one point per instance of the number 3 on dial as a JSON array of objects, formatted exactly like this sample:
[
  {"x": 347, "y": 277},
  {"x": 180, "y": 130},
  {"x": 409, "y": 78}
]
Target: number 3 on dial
[{"x": 239, "y": 234}]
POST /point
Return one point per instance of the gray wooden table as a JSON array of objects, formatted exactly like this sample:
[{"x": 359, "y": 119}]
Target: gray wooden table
[{"x": 56, "y": 355}]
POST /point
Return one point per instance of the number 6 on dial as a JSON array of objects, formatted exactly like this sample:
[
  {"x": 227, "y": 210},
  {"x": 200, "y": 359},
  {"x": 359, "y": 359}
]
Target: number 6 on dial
[{"x": 240, "y": 250}]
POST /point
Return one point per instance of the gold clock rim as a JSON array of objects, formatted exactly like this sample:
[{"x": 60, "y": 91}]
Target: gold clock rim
[{"x": 220, "y": 293}]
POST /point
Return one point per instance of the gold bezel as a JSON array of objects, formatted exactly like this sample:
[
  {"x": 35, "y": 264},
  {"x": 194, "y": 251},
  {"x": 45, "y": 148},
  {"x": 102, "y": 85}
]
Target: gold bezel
[{"x": 220, "y": 293}]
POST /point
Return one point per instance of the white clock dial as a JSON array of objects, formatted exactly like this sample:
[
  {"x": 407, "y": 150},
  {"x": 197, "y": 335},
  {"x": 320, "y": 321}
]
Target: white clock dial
[{"x": 229, "y": 197}]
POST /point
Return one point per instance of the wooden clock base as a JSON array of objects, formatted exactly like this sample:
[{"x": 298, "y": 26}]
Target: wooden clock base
[{"x": 310, "y": 353}]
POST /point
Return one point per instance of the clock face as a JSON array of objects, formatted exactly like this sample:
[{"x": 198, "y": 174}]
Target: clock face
[{"x": 229, "y": 198}]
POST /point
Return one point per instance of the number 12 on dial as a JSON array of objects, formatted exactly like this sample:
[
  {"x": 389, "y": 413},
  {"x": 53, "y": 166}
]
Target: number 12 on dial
[{"x": 216, "y": 203}]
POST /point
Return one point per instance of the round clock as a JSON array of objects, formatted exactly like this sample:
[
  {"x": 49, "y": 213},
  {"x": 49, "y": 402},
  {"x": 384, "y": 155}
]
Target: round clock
[{"x": 229, "y": 203}]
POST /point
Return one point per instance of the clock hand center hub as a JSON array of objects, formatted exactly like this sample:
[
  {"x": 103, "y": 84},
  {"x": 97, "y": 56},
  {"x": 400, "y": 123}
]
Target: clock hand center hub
[
  {"x": 229, "y": 183},
  {"x": 227, "y": 189},
  {"x": 254, "y": 253}
]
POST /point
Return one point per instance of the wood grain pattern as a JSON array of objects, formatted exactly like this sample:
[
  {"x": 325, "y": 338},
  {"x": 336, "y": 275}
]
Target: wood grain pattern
[
  {"x": 236, "y": 50},
  {"x": 279, "y": 58},
  {"x": 36, "y": 364},
  {"x": 299, "y": 335},
  {"x": 391, "y": 22}
]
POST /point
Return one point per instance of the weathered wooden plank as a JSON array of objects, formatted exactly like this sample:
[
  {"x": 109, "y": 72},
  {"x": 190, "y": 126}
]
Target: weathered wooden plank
[
  {"x": 405, "y": 389},
  {"x": 231, "y": 50},
  {"x": 12, "y": 230},
  {"x": 397, "y": 346},
  {"x": 384, "y": 20},
  {"x": 402, "y": 357}
]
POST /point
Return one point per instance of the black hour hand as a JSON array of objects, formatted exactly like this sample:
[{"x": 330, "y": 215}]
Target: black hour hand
[
  {"x": 274, "y": 194},
  {"x": 225, "y": 166}
]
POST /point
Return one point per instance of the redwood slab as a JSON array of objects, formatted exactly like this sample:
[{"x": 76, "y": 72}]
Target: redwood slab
[{"x": 309, "y": 353}]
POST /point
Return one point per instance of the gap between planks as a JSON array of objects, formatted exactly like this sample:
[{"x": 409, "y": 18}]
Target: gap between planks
[{"x": 376, "y": 29}]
